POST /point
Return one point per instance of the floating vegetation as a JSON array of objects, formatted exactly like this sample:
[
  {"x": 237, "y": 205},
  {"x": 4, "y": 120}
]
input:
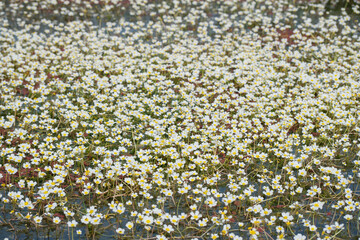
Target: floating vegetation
[{"x": 179, "y": 120}]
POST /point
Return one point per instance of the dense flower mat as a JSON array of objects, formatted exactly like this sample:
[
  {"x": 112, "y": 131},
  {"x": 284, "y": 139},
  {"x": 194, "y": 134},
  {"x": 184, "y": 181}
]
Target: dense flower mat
[{"x": 179, "y": 119}]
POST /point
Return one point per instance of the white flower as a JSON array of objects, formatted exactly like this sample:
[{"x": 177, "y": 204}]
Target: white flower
[
  {"x": 72, "y": 223},
  {"x": 129, "y": 225},
  {"x": 312, "y": 228},
  {"x": 174, "y": 219},
  {"x": 86, "y": 219},
  {"x": 56, "y": 220},
  {"x": 168, "y": 228},
  {"x": 95, "y": 221},
  {"x": 211, "y": 202},
  {"x": 160, "y": 237},
  {"x": 286, "y": 217},
  {"x": 37, "y": 219},
  {"x": 148, "y": 220},
  {"x": 317, "y": 205},
  {"x": 299, "y": 237},
  {"x": 195, "y": 215}
]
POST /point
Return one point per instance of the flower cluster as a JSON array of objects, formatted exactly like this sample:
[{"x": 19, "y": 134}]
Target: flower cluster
[{"x": 205, "y": 119}]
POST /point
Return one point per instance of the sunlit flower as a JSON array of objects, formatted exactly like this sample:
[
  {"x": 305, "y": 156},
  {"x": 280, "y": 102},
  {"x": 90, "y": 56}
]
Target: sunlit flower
[
  {"x": 168, "y": 228},
  {"x": 129, "y": 225},
  {"x": 56, "y": 220},
  {"x": 37, "y": 219},
  {"x": 72, "y": 223}
]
